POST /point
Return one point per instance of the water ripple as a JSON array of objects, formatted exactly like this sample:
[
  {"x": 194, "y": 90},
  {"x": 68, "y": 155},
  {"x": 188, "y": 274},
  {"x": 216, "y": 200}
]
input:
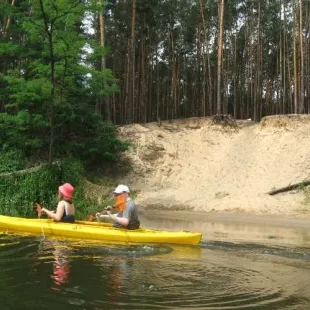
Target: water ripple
[
  {"x": 302, "y": 253},
  {"x": 70, "y": 274}
]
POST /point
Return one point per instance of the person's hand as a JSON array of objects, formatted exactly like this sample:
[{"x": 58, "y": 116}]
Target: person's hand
[
  {"x": 108, "y": 212},
  {"x": 108, "y": 208},
  {"x": 39, "y": 209}
]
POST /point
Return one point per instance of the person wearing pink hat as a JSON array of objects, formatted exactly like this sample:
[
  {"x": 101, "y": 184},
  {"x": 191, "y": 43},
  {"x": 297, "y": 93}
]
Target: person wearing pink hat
[{"x": 65, "y": 209}]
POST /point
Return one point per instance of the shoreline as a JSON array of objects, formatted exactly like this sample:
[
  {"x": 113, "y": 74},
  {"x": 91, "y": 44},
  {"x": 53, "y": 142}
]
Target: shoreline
[
  {"x": 195, "y": 165},
  {"x": 284, "y": 221}
]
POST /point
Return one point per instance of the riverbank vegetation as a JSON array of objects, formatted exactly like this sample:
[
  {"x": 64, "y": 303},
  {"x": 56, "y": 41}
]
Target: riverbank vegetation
[
  {"x": 50, "y": 87},
  {"x": 70, "y": 71}
]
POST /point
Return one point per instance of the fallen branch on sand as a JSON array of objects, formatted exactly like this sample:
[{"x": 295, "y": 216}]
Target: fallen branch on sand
[{"x": 289, "y": 188}]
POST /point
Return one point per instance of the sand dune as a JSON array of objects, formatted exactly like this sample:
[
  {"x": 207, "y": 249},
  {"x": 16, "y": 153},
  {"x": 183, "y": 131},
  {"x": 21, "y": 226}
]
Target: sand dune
[{"x": 192, "y": 164}]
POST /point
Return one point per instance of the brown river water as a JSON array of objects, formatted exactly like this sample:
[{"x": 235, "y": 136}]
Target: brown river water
[{"x": 243, "y": 262}]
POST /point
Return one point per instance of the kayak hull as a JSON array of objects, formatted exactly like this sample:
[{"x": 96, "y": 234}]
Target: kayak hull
[{"x": 97, "y": 231}]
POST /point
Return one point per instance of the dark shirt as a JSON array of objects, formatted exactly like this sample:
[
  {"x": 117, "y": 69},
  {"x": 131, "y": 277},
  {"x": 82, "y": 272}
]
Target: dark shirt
[
  {"x": 131, "y": 213},
  {"x": 67, "y": 218}
]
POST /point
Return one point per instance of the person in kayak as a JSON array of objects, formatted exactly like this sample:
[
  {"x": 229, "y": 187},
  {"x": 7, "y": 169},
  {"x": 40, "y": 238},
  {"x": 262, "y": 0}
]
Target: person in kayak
[
  {"x": 127, "y": 216},
  {"x": 65, "y": 209}
]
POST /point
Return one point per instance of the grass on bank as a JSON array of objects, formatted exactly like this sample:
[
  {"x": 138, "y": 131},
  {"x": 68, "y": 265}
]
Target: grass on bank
[{"x": 19, "y": 193}]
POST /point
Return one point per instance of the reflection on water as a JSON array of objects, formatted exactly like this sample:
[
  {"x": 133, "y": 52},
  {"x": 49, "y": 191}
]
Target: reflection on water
[
  {"x": 61, "y": 265},
  {"x": 225, "y": 272},
  {"x": 267, "y": 230}
]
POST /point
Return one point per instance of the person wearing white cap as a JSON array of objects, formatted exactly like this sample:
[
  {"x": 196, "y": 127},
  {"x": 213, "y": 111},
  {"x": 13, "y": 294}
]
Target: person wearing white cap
[
  {"x": 121, "y": 189},
  {"x": 127, "y": 216}
]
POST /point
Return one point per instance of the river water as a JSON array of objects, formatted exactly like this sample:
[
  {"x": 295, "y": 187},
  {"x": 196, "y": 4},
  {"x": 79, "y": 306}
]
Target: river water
[{"x": 244, "y": 264}]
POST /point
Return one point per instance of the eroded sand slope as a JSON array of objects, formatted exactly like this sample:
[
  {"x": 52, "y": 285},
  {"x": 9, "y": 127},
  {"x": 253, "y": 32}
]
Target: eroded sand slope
[{"x": 192, "y": 164}]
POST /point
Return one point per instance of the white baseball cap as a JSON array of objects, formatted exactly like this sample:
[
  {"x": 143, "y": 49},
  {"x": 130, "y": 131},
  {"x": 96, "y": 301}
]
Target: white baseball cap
[{"x": 121, "y": 189}]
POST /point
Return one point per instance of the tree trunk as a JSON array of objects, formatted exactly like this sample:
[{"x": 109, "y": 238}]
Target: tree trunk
[
  {"x": 173, "y": 78},
  {"x": 258, "y": 68},
  {"x": 204, "y": 53},
  {"x": 284, "y": 61},
  {"x": 206, "y": 62},
  {"x": 307, "y": 55},
  {"x": 133, "y": 58},
  {"x": 295, "y": 60},
  {"x": 49, "y": 32},
  {"x": 8, "y": 21},
  {"x": 235, "y": 92},
  {"x": 288, "y": 62},
  {"x": 281, "y": 68},
  {"x": 127, "y": 107},
  {"x": 219, "y": 53},
  {"x": 143, "y": 104},
  {"x": 104, "y": 101},
  {"x": 301, "y": 48},
  {"x": 158, "y": 116}
]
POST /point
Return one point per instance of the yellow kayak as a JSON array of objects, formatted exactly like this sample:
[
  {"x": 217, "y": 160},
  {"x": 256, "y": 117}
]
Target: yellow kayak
[{"x": 97, "y": 231}]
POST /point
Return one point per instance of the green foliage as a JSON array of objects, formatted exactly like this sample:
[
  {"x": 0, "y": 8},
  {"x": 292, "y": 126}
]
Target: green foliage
[
  {"x": 103, "y": 82},
  {"x": 11, "y": 160},
  {"x": 51, "y": 83},
  {"x": 105, "y": 145},
  {"x": 19, "y": 193},
  {"x": 93, "y": 140},
  {"x": 49, "y": 87},
  {"x": 174, "y": 60}
]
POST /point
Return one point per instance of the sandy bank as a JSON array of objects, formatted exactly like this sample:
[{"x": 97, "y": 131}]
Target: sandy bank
[{"x": 193, "y": 164}]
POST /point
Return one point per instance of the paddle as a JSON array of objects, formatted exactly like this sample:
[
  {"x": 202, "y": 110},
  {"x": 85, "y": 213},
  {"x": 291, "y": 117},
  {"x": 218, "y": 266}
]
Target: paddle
[
  {"x": 120, "y": 205},
  {"x": 93, "y": 217},
  {"x": 39, "y": 211}
]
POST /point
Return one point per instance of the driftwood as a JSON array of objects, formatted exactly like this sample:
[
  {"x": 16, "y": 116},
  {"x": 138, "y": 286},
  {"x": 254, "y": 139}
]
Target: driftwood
[
  {"x": 289, "y": 187},
  {"x": 25, "y": 171}
]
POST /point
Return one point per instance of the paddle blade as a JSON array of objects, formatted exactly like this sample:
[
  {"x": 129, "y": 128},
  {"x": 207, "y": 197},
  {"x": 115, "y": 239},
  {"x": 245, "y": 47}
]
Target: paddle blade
[{"x": 39, "y": 209}]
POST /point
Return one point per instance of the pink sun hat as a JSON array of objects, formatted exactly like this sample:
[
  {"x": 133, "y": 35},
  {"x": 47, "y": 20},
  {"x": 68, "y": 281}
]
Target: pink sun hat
[{"x": 66, "y": 189}]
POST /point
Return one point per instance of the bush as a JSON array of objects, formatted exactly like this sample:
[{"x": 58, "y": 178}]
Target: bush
[
  {"x": 94, "y": 141},
  {"x": 19, "y": 193},
  {"x": 12, "y": 160}
]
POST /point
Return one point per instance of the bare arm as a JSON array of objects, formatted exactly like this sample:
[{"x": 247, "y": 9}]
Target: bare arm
[
  {"x": 120, "y": 220},
  {"x": 102, "y": 216},
  {"x": 59, "y": 212}
]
